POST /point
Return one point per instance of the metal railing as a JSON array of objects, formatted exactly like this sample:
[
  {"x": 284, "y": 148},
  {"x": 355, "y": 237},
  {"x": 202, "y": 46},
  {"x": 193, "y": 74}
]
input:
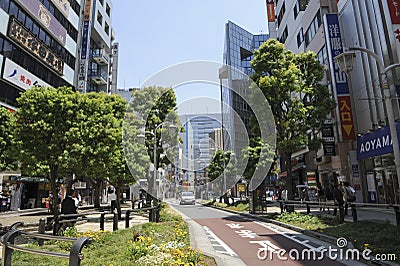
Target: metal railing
[
  {"x": 8, "y": 242},
  {"x": 354, "y": 206}
]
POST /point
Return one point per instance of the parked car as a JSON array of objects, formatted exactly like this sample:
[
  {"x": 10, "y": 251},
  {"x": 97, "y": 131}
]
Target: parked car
[{"x": 187, "y": 197}]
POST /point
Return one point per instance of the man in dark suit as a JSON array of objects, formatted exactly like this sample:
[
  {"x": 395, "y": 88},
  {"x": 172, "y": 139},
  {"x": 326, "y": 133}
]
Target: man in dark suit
[{"x": 68, "y": 206}]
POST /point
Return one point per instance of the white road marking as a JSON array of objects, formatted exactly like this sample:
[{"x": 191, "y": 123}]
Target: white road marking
[
  {"x": 228, "y": 250},
  {"x": 293, "y": 238}
]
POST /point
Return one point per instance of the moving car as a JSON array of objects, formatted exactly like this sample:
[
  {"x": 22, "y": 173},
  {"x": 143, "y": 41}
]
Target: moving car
[{"x": 187, "y": 197}]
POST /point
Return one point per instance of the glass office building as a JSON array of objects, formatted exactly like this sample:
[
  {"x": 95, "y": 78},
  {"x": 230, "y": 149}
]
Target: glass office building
[
  {"x": 196, "y": 143},
  {"x": 238, "y": 52}
]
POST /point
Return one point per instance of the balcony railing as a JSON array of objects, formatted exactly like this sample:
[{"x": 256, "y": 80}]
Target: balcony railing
[
  {"x": 99, "y": 77},
  {"x": 100, "y": 56}
]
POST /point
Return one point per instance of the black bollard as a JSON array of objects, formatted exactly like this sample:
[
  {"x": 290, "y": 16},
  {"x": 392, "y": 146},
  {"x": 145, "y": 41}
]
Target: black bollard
[
  {"x": 127, "y": 218},
  {"x": 102, "y": 218},
  {"x": 341, "y": 214},
  {"x": 42, "y": 230},
  {"x": 397, "y": 214},
  {"x": 115, "y": 221},
  {"x": 354, "y": 212}
]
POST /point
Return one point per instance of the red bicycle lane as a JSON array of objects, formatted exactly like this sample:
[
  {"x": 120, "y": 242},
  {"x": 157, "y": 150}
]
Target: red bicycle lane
[{"x": 258, "y": 245}]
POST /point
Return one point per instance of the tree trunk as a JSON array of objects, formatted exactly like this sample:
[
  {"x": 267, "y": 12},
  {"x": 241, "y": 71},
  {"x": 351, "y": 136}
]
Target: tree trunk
[
  {"x": 118, "y": 194},
  {"x": 289, "y": 183},
  {"x": 54, "y": 190},
  {"x": 290, "y": 189},
  {"x": 96, "y": 193}
]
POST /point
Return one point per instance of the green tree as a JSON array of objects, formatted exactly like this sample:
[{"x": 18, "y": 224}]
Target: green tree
[
  {"x": 7, "y": 144},
  {"x": 154, "y": 110},
  {"x": 93, "y": 138},
  {"x": 221, "y": 169},
  {"x": 45, "y": 118},
  {"x": 292, "y": 85}
]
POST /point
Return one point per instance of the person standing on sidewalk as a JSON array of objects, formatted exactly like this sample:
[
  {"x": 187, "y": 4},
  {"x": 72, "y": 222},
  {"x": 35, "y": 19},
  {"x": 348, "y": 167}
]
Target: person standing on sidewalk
[
  {"x": 68, "y": 206},
  {"x": 284, "y": 195},
  {"x": 112, "y": 197}
]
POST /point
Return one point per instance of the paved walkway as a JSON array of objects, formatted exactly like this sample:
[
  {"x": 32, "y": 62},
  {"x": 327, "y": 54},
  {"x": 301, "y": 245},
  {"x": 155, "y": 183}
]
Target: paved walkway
[{"x": 31, "y": 218}]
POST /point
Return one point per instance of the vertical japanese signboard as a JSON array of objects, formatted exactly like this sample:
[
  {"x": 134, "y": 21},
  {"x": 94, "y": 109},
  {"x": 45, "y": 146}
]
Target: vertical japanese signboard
[
  {"x": 83, "y": 66},
  {"x": 270, "y": 10},
  {"x": 329, "y": 138},
  {"x": 339, "y": 80}
]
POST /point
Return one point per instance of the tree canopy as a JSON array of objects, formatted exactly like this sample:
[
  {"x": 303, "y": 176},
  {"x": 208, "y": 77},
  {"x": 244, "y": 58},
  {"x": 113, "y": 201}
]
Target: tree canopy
[
  {"x": 7, "y": 144},
  {"x": 292, "y": 85}
]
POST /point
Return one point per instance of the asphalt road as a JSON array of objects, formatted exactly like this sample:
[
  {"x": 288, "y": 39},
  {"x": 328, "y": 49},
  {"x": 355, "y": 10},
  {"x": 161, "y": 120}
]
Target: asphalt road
[{"x": 250, "y": 242}]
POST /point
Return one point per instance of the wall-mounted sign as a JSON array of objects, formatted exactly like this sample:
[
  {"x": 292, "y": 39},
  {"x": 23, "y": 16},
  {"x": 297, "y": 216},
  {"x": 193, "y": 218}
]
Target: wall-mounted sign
[
  {"x": 40, "y": 12},
  {"x": 378, "y": 142},
  {"x": 328, "y": 136},
  {"x": 20, "y": 77},
  {"x": 339, "y": 80},
  {"x": 270, "y": 10},
  {"x": 82, "y": 75},
  {"x": 31, "y": 43},
  {"x": 394, "y": 10},
  {"x": 63, "y": 6}
]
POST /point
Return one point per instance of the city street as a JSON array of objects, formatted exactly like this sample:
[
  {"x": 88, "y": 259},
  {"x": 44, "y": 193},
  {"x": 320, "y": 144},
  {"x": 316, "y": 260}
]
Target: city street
[{"x": 243, "y": 240}]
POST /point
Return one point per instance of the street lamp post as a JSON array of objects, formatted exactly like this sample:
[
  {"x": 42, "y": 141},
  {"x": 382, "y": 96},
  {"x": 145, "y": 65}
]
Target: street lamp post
[
  {"x": 345, "y": 62},
  {"x": 141, "y": 138}
]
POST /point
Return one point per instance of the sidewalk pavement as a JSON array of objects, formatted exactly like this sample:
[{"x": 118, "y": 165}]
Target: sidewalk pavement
[
  {"x": 363, "y": 213},
  {"x": 31, "y": 217}
]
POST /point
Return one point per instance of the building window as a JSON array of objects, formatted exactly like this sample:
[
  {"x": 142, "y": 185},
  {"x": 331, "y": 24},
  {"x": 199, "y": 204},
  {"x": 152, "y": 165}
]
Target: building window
[
  {"x": 300, "y": 5},
  {"x": 322, "y": 56},
  {"x": 99, "y": 18},
  {"x": 11, "y": 8},
  {"x": 284, "y": 36},
  {"x": 101, "y": 2},
  {"x": 106, "y": 28},
  {"x": 313, "y": 28},
  {"x": 108, "y": 10},
  {"x": 300, "y": 37},
  {"x": 281, "y": 14}
]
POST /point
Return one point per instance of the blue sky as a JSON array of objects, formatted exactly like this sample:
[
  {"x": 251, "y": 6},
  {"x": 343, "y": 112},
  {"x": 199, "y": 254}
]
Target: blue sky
[{"x": 154, "y": 35}]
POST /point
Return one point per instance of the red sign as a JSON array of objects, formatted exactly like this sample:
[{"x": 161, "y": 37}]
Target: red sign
[
  {"x": 394, "y": 10},
  {"x": 346, "y": 117},
  {"x": 270, "y": 11}
]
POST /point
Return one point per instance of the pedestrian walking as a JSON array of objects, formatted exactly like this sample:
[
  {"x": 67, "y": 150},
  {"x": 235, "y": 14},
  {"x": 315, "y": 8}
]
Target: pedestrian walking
[
  {"x": 349, "y": 196},
  {"x": 339, "y": 200},
  {"x": 112, "y": 196},
  {"x": 321, "y": 196},
  {"x": 284, "y": 195}
]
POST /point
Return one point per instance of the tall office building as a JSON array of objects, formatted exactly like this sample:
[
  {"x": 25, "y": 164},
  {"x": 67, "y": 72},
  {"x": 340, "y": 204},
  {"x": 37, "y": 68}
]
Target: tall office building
[
  {"x": 196, "y": 154},
  {"x": 375, "y": 26},
  {"x": 238, "y": 52},
  {"x": 38, "y": 45},
  {"x": 96, "y": 47}
]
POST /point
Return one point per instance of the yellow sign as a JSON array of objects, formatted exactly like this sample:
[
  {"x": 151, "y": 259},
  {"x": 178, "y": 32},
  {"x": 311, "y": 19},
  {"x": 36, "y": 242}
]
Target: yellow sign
[{"x": 241, "y": 187}]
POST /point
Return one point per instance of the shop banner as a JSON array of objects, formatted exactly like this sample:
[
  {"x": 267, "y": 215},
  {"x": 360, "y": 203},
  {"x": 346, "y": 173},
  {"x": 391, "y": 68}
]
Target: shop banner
[
  {"x": 376, "y": 143},
  {"x": 20, "y": 77},
  {"x": 41, "y": 13},
  {"x": 339, "y": 80}
]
